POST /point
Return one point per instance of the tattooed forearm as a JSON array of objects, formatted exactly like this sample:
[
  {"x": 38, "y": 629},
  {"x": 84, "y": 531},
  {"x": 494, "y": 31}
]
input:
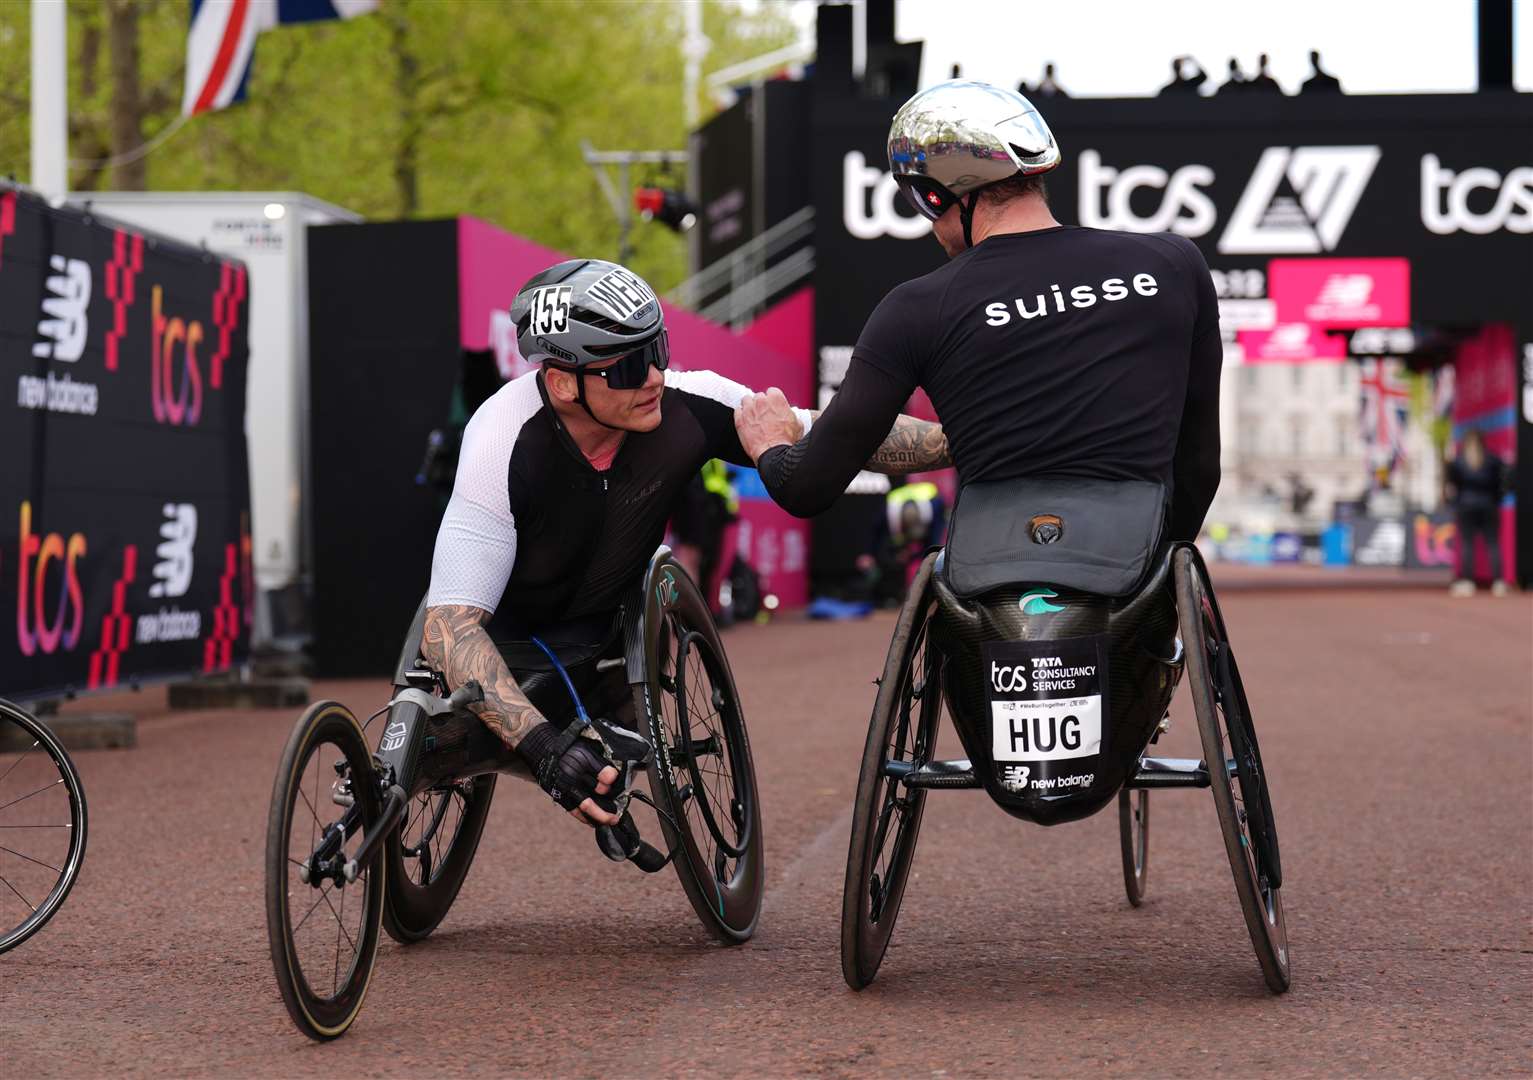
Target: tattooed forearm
[
  {"x": 911, "y": 446},
  {"x": 456, "y": 643}
]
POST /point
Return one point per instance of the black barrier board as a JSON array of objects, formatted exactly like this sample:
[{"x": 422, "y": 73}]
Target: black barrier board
[{"x": 124, "y": 497}]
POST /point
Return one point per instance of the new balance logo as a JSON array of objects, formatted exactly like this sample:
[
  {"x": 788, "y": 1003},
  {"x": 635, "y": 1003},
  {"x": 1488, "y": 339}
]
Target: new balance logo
[
  {"x": 1299, "y": 200},
  {"x": 1346, "y": 290},
  {"x": 64, "y": 325},
  {"x": 178, "y": 533}
]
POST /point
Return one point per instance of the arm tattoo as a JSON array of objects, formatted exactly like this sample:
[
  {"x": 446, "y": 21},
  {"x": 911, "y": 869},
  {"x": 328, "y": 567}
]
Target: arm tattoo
[
  {"x": 456, "y": 643},
  {"x": 911, "y": 446}
]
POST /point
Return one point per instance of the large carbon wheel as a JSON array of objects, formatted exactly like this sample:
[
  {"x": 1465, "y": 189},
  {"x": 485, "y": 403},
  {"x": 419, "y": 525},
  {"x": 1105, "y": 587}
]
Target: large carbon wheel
[
  {"x": 323, "y": 930},
  {"x": 1231, "y": 754},
  {"x": 703, "y": 777},
  {"x": 42, "y": 825},
  {"x": 886, "y": 819},
  {"x": 1134, "y": 840},
  {"x": 428, "y": 858}
]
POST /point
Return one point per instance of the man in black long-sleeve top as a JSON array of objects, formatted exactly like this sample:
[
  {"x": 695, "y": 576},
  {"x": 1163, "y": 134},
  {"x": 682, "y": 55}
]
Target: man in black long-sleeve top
[{"x": 1046, "y": 350}]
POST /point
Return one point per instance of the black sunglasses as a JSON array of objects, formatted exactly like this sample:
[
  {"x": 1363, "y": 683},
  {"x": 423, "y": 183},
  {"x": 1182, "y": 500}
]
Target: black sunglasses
[
  {"x": 929, "y": 198},
  {"x": 631, "y": 371}
]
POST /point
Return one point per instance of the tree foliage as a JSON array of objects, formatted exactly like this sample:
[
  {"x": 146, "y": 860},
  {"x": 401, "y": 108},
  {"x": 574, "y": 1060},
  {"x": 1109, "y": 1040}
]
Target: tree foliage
[{"x": 426, "y": 108}]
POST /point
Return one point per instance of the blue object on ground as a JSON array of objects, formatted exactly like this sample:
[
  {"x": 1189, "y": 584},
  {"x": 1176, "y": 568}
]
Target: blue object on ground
[{"x": 824, "y": 607}]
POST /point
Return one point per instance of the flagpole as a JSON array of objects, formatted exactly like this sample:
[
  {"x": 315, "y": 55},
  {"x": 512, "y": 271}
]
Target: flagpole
[{"x": 50, "y": 101}]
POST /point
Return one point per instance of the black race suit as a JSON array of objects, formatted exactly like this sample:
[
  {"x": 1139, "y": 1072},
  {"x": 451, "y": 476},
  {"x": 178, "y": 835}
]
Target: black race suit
[{"x": 1061, "y": 352}]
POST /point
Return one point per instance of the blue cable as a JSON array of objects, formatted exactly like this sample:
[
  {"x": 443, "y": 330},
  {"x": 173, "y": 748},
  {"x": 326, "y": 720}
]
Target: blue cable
[{"x": 580, "y": 709}]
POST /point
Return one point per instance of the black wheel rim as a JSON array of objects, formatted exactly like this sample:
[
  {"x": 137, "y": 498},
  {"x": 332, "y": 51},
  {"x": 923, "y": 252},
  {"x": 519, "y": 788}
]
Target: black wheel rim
[
  {"x": 710, "y": 772},
  {"x": 330, "y": 927},
  {"x": 42, "y": 825},
  {"x": 1136, "y": 838},
  {"x": 1268, "y": 896},
  {"x": 911, "y": 733}
]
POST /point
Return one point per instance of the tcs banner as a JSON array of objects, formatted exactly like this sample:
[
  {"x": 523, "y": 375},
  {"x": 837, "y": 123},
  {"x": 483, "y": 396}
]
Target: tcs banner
[{"x": 124, "y": 491}]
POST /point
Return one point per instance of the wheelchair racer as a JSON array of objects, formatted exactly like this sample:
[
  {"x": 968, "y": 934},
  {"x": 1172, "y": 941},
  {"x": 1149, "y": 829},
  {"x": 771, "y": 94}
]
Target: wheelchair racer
[
  {"x": 565, "y": 483},
  {"x": 1046, "y": 350}
]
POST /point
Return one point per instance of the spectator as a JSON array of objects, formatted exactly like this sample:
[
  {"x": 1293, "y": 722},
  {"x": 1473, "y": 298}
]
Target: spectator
[
  {"x": 957, "y": 72},
  {"x": 1319, "y": 82},
  {"x": 1474, "y": 484},
  {"x": 1181, "y": 83},
  {"x": 1263, "y": 82},
  {"x": 1235, "y": 84},
  {"x": 1047, "y": 86}
]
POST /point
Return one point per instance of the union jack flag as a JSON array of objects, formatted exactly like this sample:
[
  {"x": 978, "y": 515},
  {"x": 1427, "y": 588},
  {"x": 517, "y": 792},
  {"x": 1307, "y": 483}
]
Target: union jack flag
[
  {"x": 221, "y": 42},
  {"x": 1385, "y": 408}
]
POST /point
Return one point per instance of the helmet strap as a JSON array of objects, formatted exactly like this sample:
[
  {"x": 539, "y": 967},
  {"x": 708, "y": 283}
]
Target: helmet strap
[
  {"x": 966, "y": 215},
  {"x": 580, "y": 394}
]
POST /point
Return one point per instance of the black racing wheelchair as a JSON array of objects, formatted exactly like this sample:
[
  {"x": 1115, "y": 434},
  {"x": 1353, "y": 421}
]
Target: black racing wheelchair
[
  {"x": 363, "y": 839},
  {"x": 1054, "y": 629}
]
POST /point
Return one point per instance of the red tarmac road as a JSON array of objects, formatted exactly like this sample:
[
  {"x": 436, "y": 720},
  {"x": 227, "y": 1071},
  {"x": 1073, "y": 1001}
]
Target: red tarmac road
[{"x": 1396, "y": 726}]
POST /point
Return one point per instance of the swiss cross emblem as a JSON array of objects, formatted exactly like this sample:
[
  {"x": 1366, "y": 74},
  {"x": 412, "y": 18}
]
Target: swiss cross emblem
[{"x": 933, "y": 198}]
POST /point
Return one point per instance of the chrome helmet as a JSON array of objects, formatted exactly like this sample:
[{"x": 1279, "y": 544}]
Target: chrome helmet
[{"x": 954, "y": 138}]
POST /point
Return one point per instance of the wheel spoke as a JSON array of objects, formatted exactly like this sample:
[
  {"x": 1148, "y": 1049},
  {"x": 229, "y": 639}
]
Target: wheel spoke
[
  {"x": 35, "y": 744},
  {"x": 311, "y": 910},
  {"x": 29, "y": 859},
  {"x": 39, "y": 791},
  {"x": 17, "y": 891}
]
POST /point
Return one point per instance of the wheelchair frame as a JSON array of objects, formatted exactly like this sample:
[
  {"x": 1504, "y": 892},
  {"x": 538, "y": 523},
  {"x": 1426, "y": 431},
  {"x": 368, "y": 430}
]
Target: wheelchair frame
[{"x": 871, "y": 901}]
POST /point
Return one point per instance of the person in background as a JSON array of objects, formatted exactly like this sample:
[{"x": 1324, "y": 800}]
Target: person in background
[
  {"x": 1235, "y": 84},
  {"x": 914, "y": 515},
  {"x": 1048, "y": 86},
  {"x": 1474, "y": 483},
  {"x": 1319, "y": 82},
  {"x": 708, "y": 505},
  {"x": 1263, "y": 82},
  {"x": 1184, "y": 83}
]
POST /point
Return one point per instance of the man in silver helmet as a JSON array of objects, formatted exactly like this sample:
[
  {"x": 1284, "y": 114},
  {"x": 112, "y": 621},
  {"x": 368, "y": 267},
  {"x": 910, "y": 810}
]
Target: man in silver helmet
[
  {"x": 565, "y": 483},
  {"x": 1046, "y": 350}
]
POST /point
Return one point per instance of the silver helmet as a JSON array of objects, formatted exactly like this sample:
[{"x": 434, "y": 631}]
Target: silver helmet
[
  {"x": 959, "y": 136},
  {"x": 583, "y": 311}
]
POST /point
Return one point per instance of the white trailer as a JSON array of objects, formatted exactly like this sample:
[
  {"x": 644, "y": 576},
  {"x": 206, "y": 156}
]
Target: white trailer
[{"x": 268, "y": 231}]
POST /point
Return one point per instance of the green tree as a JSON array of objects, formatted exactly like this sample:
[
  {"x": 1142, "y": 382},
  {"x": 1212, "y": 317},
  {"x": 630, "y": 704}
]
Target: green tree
[{"x": 427, "y": 108}]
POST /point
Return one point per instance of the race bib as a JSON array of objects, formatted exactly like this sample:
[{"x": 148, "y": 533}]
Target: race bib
[{"x": 1046, "y": 706}]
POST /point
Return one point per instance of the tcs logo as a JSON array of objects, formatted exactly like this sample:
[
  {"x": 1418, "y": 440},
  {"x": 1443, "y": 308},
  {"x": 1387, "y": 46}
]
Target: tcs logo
[
  {"x": 35, "y": 630},
  {"x": 176, "y": 405}
]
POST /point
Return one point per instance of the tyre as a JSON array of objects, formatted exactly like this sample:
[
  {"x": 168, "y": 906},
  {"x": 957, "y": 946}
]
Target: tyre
[
  {"x": 702, "y": 776},
  {"x": 323, "y": 929},
  {"x": 885, "y": 821},
  {"x": 1134, "y": 839},
  {"x": 42, "y": 825},
  {"x": 1230, "y": 753},
  {"x": 427, "y": 859}
]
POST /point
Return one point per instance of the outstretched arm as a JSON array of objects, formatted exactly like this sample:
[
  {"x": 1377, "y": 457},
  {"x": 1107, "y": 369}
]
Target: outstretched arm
[
  {"x": 806, "y": 476},
  {"x": 456, "y": 643}
]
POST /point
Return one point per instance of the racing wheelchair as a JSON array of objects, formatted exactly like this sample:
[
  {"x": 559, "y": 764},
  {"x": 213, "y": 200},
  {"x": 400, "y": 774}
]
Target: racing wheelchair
[
  {"x": 1054, "y": 629},
  {"x": 390, "y": 832}
]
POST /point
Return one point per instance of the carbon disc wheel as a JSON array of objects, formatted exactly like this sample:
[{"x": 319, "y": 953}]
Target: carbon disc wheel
[{"x": 428, "y": 859}]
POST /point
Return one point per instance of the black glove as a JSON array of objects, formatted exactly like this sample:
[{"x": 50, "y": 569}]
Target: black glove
[{"x": 566, "y": 766}]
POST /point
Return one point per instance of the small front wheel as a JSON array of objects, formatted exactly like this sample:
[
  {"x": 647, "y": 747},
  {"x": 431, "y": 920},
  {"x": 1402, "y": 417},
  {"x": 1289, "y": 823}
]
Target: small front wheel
[
  {"x": 1134, "y": 839},
  {"x": 322, "y": 924}
]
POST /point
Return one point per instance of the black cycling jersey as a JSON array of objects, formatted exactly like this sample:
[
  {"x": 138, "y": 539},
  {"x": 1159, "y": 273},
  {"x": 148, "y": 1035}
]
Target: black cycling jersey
[
  {"x": 537, "y": 535},
  {"x": 1060, "y": 352}
]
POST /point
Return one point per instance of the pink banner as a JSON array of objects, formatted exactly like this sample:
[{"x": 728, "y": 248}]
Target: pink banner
[
  {"x": 1337, "y": 293},
  {"x": 1291, "y": 343}
]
